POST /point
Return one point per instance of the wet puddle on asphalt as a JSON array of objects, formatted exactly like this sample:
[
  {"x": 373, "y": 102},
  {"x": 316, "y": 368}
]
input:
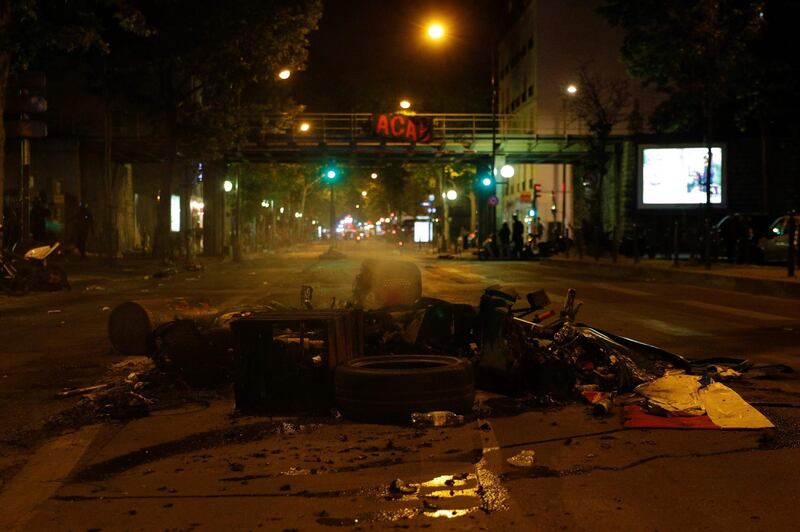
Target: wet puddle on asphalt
[{"x": 442, "y": 497}]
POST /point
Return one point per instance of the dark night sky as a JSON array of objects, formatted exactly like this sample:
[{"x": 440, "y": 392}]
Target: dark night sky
[{"x": 368, "y": 54}]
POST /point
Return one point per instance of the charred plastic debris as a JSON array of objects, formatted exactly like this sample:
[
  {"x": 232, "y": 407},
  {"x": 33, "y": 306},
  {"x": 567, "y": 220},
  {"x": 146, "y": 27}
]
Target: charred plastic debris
[{"x": 391, "y": 354}]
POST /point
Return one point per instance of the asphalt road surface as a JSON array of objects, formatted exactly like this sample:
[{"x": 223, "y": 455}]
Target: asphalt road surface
[{"x": 590, "y": 474}]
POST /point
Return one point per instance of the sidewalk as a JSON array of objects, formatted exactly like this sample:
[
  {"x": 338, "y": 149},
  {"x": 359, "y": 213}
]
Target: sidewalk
[{"x": 752, "y": 279}]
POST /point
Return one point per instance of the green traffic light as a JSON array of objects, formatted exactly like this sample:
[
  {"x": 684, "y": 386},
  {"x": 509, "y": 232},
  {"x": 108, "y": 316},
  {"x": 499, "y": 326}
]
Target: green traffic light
[
  {"x": 486, "y": 181},
  {"x": 331, "y": 174}
]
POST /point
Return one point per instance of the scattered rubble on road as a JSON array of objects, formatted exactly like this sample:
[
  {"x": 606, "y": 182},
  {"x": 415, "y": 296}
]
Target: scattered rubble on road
[
  {"x": 525, "y": 458},
  {"x": 283, "y": 360}
]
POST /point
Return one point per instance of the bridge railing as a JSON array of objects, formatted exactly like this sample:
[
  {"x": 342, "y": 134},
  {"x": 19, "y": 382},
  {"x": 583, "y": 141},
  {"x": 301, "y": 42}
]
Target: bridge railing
[{"x": 348, "y": 127}]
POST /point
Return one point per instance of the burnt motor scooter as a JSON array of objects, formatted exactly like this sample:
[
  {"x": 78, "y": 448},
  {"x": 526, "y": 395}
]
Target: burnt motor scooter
[{"x": 32, "y": 270}]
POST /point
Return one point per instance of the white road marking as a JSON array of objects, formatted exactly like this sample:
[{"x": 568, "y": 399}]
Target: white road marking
[
  {"x": 737, "y": 311},
  {"x": 668, "y": 328},
  {"x": 621, "y": 290},
  {"x": 41, "y": 477}
]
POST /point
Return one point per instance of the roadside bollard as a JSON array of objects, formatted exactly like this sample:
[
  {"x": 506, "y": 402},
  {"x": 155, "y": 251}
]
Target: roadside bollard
[{"x": 675, "y": 243}]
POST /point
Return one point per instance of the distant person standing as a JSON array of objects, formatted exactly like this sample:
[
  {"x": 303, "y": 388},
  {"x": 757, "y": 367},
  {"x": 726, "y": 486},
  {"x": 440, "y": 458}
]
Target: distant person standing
[
  {"x": 12, "y": 230},
  {"x": 38, "y": 218},
  {"x": 517, "y": 230},
  {"x": 84, "y": 226},
  {"x": 504, "y": 236}
]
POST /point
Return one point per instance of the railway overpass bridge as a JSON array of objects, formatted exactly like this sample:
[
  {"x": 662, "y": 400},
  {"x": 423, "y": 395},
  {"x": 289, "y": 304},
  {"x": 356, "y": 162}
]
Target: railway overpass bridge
[{"x": 362, "y": 138}]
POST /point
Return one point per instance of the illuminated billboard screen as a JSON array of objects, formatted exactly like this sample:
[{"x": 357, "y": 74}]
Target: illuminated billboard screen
[{"x": 675, "y": 177}]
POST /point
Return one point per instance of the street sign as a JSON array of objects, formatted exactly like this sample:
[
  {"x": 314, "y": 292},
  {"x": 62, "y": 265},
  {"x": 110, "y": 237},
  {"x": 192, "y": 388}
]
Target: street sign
[
  {"x": 404, "y": 128},
  {"x": 525, "y": 196},
  {"x": 26, "y": 129},
  {"x": 493, "y": 201},
  {"x": 17, "y": 104}
]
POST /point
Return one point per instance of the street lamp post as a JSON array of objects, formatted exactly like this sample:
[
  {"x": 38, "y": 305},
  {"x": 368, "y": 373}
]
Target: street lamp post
[
  {"x": 436, "y": 32},
  {"x": 333, "y": 216},
  {"x": 445, "y": 213},
  {"x": 330, "y": 174},
  {"x": 570, "y": 91}
]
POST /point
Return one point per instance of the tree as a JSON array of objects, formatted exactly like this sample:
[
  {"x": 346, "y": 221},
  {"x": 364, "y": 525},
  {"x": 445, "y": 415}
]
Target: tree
[
  {"x": 31, "y": 28},
  {"x": 600, "y": 104},
  {"x": 697, "y": 52},
  {"x": 205, "y": 70}
]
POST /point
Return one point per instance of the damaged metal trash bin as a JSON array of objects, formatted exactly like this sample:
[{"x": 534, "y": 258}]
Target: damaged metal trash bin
[
  {"x": 285, "y": 359},
  {"x": 131, "y": 324}
]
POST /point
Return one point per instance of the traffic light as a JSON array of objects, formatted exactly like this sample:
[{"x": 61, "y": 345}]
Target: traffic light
[
  {"x": 331, "y": 173},
  {"x": 537, "y": 189},
  {"x": 487, "y": 182}
]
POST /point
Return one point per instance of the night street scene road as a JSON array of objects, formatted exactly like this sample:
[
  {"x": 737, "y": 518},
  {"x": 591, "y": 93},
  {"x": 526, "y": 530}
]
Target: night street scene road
[{"x": 399, "y": 264}]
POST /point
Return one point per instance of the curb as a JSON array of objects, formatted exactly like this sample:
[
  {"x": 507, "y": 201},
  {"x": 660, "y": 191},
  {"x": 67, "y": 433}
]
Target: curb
[{"x": 749, "y": 285}]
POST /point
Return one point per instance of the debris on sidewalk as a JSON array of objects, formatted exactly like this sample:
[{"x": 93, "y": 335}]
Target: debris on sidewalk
[
  {"x": 164, "y": 273},
  {"x": 400, "y": 486},
  {"x": 282, "y": 359},
  {"x": 683, "y": 396},
  {"x": 602, "y": 402},
  {"x": 83, "y": 391},
  {"x": 525, "y": 458},
  {"x": 437, "y": 419},
  {"x": 674, "y": 395}
]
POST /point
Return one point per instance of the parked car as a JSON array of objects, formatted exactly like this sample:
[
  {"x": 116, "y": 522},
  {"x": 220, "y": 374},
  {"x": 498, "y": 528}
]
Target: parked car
[
  {"x": 736, "y": 237},
  {"x": 775, "y": 243}
]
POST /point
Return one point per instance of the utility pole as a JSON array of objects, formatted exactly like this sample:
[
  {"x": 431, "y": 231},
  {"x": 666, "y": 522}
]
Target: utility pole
[
  {"x": 24, "y": 101},
  {"x": 272, "y": 225},
  {"x": 25, "y": 180},
  {"x": 445, "y": 212},
  {"x": 333, "y": 215}
]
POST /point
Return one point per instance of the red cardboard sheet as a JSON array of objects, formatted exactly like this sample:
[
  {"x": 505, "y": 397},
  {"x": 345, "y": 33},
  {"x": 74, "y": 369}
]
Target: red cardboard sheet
[{"x": 637, "y": 417}]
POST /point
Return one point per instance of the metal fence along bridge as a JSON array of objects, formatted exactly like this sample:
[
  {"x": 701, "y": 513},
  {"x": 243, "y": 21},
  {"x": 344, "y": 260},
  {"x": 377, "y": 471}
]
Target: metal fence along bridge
[{"x": 363, "y": 137}]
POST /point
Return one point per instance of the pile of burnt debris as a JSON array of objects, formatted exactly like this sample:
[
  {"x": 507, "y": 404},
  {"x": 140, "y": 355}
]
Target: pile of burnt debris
[{"x": 390, "y": 352}]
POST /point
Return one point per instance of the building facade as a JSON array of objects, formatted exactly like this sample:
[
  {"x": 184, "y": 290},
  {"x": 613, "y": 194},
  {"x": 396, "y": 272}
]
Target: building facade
[{"x": 544, "y": 46}]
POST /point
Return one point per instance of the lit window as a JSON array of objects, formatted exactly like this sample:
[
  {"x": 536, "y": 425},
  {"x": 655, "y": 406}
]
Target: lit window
[{"x": 175, "y": 213}]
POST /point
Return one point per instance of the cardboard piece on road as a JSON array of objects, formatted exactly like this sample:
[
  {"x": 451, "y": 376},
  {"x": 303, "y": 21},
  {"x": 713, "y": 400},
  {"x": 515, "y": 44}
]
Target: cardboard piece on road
[
  {"x": 677, "y": 395},
  {"x": 683, "y": 397},
  {"x": 727, "y": 409}
]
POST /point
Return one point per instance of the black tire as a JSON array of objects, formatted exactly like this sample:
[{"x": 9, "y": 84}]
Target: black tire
[
  {"x": 18, "y": 286},
  {"x": 388, "y": 389},
  {"x": 53, "y": 278}
]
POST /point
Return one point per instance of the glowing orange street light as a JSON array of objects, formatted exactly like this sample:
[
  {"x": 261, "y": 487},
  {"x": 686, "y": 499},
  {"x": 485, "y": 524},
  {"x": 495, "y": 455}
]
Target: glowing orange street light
[
  {"x": 285, "y": 73},
  {"x": 435, "y": 31}
]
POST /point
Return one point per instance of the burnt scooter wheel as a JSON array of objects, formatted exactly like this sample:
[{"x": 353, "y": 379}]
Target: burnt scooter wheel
[
  {"x": 53, "y": 278},
  {"x": 17, "y": 286},
  {"x": 386, "y": 389}
]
